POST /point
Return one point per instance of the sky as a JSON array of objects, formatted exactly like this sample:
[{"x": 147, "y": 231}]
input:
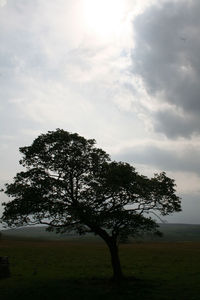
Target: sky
[{"x": 124, "y": 72}]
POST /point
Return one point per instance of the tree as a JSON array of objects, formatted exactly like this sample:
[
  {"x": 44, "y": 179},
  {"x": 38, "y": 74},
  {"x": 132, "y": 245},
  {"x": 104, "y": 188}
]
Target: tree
[{"x": 69, "y": 184}]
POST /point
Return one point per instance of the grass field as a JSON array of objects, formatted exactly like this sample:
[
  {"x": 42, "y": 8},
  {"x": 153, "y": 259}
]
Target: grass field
[{"x": 78, "y": 270}]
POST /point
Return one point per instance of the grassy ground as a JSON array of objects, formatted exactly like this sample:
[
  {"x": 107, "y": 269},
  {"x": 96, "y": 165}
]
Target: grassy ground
[{"x": 78, "y": 270}]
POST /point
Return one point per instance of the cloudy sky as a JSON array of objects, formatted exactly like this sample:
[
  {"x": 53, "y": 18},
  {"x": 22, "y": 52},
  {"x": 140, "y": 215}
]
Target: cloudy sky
[{"x": 124, "y": 72}]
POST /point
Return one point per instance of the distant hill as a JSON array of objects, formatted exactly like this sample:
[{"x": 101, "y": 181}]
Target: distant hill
[
  {"x": 175, "y": 233},
  {"x": 171, "y": 232},
  {"x": 40, "y": 233}
]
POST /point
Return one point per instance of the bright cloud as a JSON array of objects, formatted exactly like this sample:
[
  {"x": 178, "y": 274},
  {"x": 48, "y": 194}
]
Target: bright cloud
[{"x": 3, "y": 3}]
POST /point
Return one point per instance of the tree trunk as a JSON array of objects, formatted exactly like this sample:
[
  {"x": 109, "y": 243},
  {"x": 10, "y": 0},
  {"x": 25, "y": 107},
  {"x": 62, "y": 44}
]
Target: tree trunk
[
  {"x": 111, "y": 242},
  {"x": 116, "y": 265}
]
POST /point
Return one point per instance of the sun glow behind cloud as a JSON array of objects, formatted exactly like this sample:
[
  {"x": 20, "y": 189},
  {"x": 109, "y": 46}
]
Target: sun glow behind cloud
[{"x": 104, "y": 18}]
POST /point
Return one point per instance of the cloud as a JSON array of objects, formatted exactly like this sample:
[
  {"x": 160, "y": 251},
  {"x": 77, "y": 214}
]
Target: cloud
[
  {"x": 54, "y": 72},
  {"x": 175, "y": 124},
  {"x": 180, "y": 159},
  {"x": 3, "y": 3},
  {"x": 164, "y": 156},
  {"x": 190, "y": 210},
  {"x": 166, "y": 58}
]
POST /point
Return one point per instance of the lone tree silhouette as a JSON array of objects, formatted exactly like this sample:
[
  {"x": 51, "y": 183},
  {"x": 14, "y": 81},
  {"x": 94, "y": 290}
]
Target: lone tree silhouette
[{"x": 69, "y": 184}]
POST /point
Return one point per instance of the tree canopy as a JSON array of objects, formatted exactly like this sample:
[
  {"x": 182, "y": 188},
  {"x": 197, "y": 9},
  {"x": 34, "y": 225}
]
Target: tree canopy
[{"x": 70, "y": 184}]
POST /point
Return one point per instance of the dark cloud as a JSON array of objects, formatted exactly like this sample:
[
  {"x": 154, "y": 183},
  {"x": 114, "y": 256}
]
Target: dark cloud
[
  {"x": 167, "y": 58},
  {"x": 186, "y": 160},
  {"x": 175, "y": 125}
]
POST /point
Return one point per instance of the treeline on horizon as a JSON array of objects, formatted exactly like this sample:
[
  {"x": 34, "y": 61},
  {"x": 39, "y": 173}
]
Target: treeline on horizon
[{"x": 171, "y": 232}]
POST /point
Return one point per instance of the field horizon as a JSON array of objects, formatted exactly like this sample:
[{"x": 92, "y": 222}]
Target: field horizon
[{"x": 172, "y": 232}]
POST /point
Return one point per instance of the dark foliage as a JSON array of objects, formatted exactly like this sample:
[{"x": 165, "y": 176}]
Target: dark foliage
[{"x": 69, "y": 184}]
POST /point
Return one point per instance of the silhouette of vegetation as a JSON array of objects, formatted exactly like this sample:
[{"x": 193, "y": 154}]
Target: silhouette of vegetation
[{"x": 69, "y": 184}]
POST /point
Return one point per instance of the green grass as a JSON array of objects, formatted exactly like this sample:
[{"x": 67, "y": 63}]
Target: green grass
[{"x": 77, "y": 270}]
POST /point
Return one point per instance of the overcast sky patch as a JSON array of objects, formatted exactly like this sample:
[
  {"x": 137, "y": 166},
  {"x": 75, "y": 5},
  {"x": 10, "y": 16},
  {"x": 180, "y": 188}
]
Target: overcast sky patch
[{"x": 166, "y": 57}]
